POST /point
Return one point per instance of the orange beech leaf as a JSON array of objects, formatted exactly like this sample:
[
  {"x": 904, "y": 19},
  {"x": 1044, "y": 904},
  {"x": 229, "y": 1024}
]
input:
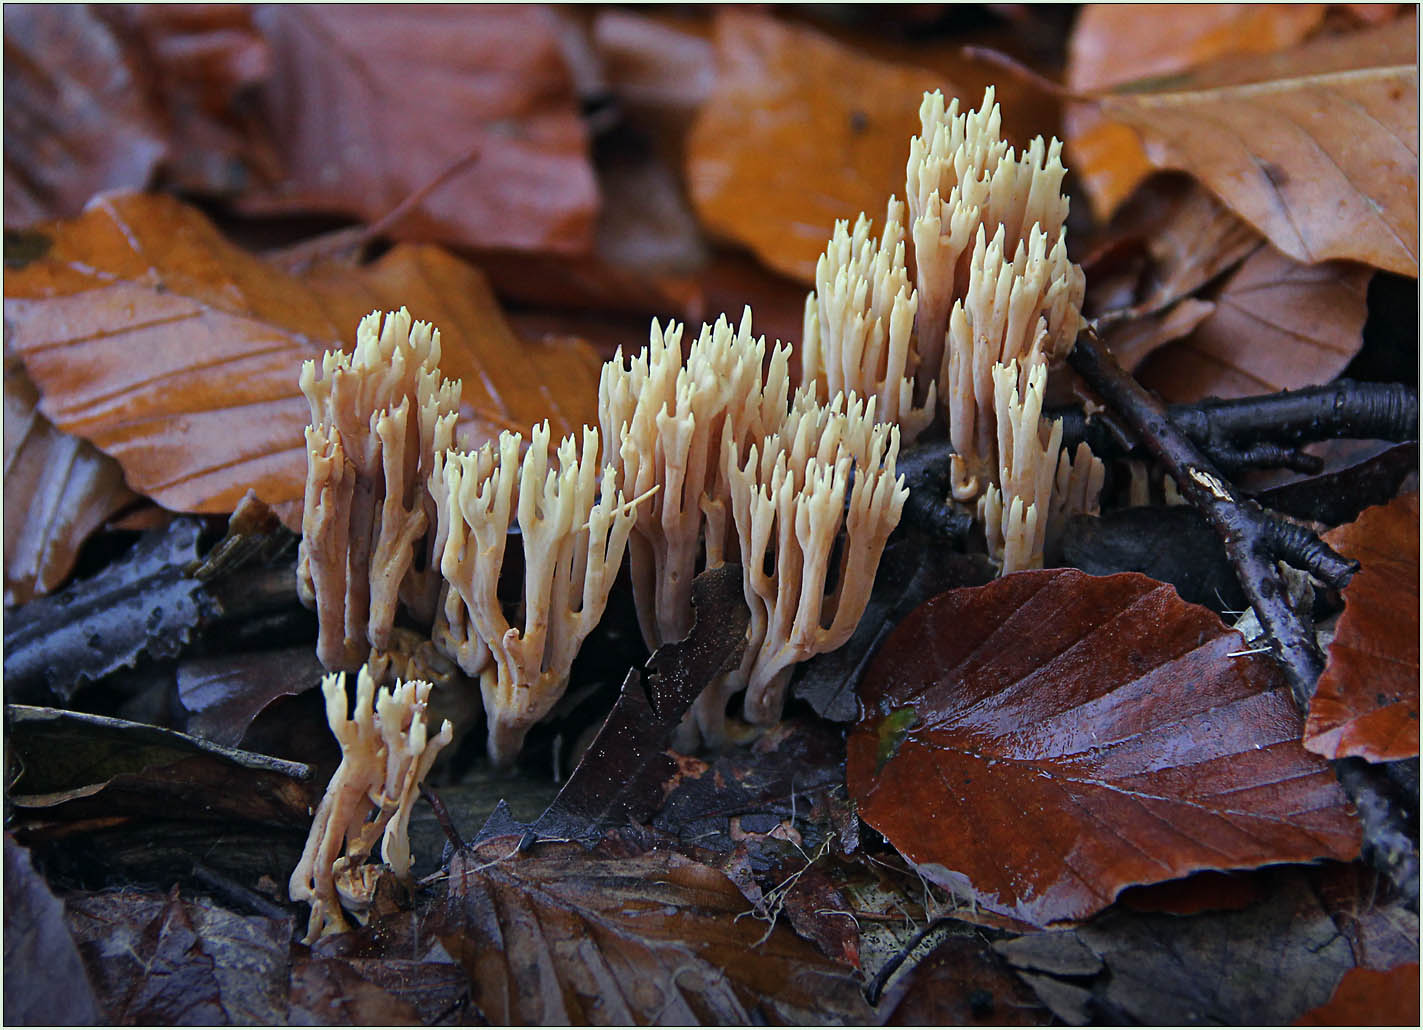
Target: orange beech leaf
[
  {"x": 58, "y": 490},
  {"x": 1277, "y": 325},
  {"x": 798, "y": 132},
  {"x": 1366, "y": 704},
  {"x": 368, "y": 104},
  {"x": 1368, "y": 997},
  {"x": 1040, "y": 743},
  {"x": 169, "y": 348},
  {"x": 1113, "y": 44},
  {"x": 1316, "y": 146}
]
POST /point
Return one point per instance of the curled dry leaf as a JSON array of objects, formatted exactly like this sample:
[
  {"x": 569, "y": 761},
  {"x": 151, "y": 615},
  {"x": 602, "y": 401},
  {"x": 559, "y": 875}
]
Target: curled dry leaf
[
  {"x": 1113, "y": 44},
  {"x": 177, "y": 353},
  {"x": 58, "y": 490},
  {"x": 1366, "y": 704},
  {"x": 1276, "y": 325},
  {"x": 369, "y": 105},
  {"x": 1316, "y": 147},
  {"x": 78, "y": 118},
  {"x": 1046, "y": 740},
  {"x": 563, "y": 936},
  {"x": 828, "y": 138}
]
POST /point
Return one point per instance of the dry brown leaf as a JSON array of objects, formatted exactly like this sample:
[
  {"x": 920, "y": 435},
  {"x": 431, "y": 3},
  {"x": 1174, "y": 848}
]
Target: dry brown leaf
[
  {"x": 1316, "y": 147},
  {"x": 177, "y": 353},
  {"x": 1042, "y": 742},
  {"x": 1277, "y": 325},
  {"x": 368, "y": 104},
  {"x": 1366, "y": 704},
  {"x": 1113, "y": 44},
  {"x": 799, "y": 131},
  {"x": 58, "y": 490},
  {"x": 78, "y": 118}
]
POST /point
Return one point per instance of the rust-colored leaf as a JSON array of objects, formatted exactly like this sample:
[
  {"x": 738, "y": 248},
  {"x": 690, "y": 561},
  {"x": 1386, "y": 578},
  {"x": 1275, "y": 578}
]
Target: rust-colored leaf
[
  {"x": 1316, "y": 146},
  {"x": 964, "y": 983},
  {"x": 1366, "y": 704},
  {"x": 563, "y": 936},
  {"x": 78, "y": 118},
  {"x": 1112, "y": 44},
  {"x": 1367, "y": 997},
  {"x": 369, "y": 104},
  {"x": 169, "y": 348},
  {"x": 798, "y": 132},
  {"x": 1048, "y": 739},
  {"x": 1277, "y": 325},
  {"x": 58, "y": 490}
]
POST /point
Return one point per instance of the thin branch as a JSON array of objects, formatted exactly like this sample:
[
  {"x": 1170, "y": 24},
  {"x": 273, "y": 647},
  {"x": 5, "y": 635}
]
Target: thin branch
[
  {"x": 1254, "y": 540},
  {"x": 1264, "y": 431}
]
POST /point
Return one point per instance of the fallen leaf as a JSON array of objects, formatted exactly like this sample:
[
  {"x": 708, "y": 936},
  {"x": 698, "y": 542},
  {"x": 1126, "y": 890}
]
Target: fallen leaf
[
  {"x": 1044, "y": 741},
  {"x": 826, "y": 138},
  {"x": 59, "y": 489},
  {"x": 1366, "y": 704},
  {"x": 1113, "y": 44},
  {"x": 68, "y": 758},
  {"x": 913, "y": 568},
  {"x": 1315, "y": 147},
  {"x": 1276, "y": 325},
  {"x": 785, "y": 776},
  {"x": 142, "y": 604},
  {"x": 46, "y": 984},
  {"x": 169, "y": 348},
  {"x": 223, "y": 694},
  {"x": 964, "y": 983},
  {"x": 1210, "y": 890},
  {"x": 563, "y": 936},
  {"x": 369, "y": 105},
  {"x": 1367, "y": 997},
  {"x": 1262, "y": 966},
  {"x": 619, "y": 778},
  {"x": 331, "y": 992},
  {"x": 78, "y": 116},
  {"x": 1346, "y": 488},
  {"x": 171, "y": 961},
  {"x": 1381, "y": 928}
]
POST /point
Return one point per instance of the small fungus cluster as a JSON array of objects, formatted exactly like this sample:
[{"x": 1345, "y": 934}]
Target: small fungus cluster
[{"x": 697, "y": 461}]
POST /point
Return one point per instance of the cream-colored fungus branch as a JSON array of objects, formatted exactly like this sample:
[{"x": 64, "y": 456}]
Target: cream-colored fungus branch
[
  {"x": 385, "y": 754},
  {"x": 379, "y": 416},
  {"x": 573, "y": 533}
]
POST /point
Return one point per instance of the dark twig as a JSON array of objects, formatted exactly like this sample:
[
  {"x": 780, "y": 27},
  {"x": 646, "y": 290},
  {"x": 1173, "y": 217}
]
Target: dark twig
[
  {"x": 1254, "y": 540},
  {"x": 442, "y": 816},
  {"x": 926, "y": 474},
  {"x": 1265, "y": 431}
]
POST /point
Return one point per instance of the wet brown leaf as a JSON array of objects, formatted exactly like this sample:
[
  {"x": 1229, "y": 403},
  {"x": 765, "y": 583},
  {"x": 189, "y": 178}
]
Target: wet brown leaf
[
  {"x": 963, "y": 983},
  {"x": 1366, "y": 704},
  {"x": 78, "y": 118},
  {"x": 1316, "y": 147},
  {"x": 1367, "y": 997},
  {"x": 561, "y": 935},
  {"x": 1044, "y": 741},
  {"x": 58, "y": 490},
  {"x": 368, "y": 105},
  {"x": 1277, "y": 325},
  {"x": 1262, "y": 966},
  {"x": 177, "y": 353},
  {"x": 799, "y": 131},
  {"x": 45, "y": 981},
  {"x": 1113, "y": 44},
  {"x": 170, "y": 961}
]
